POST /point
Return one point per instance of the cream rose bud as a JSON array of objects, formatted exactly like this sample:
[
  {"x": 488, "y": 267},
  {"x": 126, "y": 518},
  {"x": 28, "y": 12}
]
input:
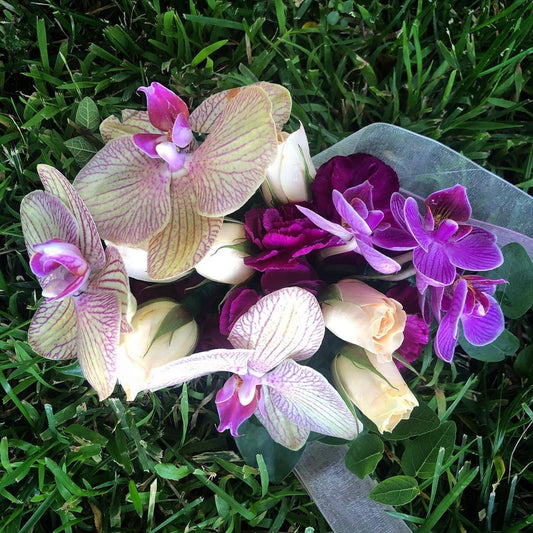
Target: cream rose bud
[
  {"x": 384, "y": 400},
  {"x": 288, "y": 177},
  {"x": 224, "y": 261},
  {"x": 361, "y": 315},
  {"x": 163, "y": 331}
]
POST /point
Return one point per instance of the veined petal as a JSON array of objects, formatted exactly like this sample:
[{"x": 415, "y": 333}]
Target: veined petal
[
  {"x": 377, "y": 260},
  {"x": 308, "y": 400},
  {"x": 53, "y": 329},
  {"x": 114, "y": 279},
  {"x": 132, "y": 122},
  {"x": 45, "y": 217},
  {"x": 415, "y": 224},
  {"x": 434, "y": 265},
  {"x": 448, "y": 331},
  {"x": 281, "y": 429},
  {"x": 187, "y": 237},
  {"x": 198, "y": 365},
  {"x": 98, "y": 338},
  {"x": 285, "y": 323},
  {"x": 88, "y": 240},
  {"x": 203, "y": 118},
  {"x": 482, "y": 330},
  {"x": 477, "y": 251},
  {"x": 231, "y": 163},
  {"x": 126, "y": 192},
  {"x": 326, "y": 225}
]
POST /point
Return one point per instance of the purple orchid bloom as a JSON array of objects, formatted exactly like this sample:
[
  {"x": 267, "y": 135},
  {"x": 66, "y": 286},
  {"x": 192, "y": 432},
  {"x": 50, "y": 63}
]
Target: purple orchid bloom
[
  {"x": 289, "y": 399},
  {"x": 443, "y": 242},
  {"x": 152, "y": 187},
  {"x": 359, "y": 222},
  {"x": 469, "y": 301},
  {"x": 85, "y": 288}
]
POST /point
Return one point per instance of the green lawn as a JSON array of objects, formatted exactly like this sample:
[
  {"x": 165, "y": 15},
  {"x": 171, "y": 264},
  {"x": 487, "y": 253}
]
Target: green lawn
[{"x": 459, "y": 72}]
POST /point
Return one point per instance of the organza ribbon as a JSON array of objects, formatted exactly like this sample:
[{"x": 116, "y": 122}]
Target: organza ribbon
[{"x": 423, "y": 166}]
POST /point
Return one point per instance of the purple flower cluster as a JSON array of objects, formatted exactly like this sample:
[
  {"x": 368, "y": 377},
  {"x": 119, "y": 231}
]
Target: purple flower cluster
[{"x": 357, "y": 209}]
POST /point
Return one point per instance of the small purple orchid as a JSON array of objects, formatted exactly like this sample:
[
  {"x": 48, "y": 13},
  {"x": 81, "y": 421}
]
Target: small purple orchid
[
  {"x": 85, "y": 288},
  {"x": 469, "y": 301},
  {"x": 443, "y": 241},
  {"x": 289, "y": 399},
  {"x": 359, "y": 221},
  {"x": 152, "y": 187}
]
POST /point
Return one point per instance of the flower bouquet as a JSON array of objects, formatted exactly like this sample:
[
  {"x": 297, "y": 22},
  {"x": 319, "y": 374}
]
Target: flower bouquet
[{"x": 318, "y": 286}]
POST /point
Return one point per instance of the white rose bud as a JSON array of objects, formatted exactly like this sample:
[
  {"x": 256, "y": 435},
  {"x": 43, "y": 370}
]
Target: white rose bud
[
  {"x": 361, "y": 315},
  {"x": 385, "y": 400},
  {"x": 224, "y": 261},
  {"x": 288, "y": 177},
  {"x": 163, "y": 331}
]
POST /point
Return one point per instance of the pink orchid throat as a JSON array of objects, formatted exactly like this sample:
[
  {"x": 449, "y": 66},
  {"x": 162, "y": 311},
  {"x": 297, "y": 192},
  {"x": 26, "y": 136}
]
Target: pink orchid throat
[
  {"x": 237, "y": 401},
  {"x": 61, "y": 268}
]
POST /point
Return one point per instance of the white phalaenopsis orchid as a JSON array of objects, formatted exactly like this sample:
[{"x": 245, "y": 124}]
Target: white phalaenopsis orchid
[
  {"x": 87, "y": 299},
  {"x": 289, "y": 399}
]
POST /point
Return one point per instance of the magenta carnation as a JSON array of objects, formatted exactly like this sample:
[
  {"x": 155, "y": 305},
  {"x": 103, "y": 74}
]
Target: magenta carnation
[{"x": 283, "y": 235}]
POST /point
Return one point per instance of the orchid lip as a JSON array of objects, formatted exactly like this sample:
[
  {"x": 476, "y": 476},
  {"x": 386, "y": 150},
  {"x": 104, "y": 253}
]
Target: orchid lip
[{"x": 60, "y": 267}]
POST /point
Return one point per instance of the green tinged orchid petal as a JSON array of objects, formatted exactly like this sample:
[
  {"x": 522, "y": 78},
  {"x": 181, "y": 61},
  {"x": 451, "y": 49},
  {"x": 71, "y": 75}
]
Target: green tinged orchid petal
[
  {"x": 231, "y": 163},
  {"x": 132, "y": 122},
  {"x": 98, "y": 338},
  {"x": 88, "y": 241},
  {"x": 126, "y": 192},
  {"x": 44, "y": 217},
  {"x": 282, "y": 324},
  {"x": 53, "y": 329},
  {"x": 114, "y": 279},
  {"x": 205, "y": 115},
  {"x": 186, "y": 238}
]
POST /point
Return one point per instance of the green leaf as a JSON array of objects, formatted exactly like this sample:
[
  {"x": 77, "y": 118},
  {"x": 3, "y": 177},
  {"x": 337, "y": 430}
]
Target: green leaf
[
  {"x": 396, "y": 490},
  {"x": 364, "y": 454},
  {"x": 87, "y": 115},
  {"x": 205, "y": 52},
  {"x": 422, "y": 420},
  {"x": 506, "y": 344},
  {"x": 523, "y": 364},
  {"x": 516, "y": 297},
  {"x": 255, "y": 439},
  {"x": 420, "y": 455},
  {"x": 81, "y": 149},
  {"x": 170, "y": 471}
]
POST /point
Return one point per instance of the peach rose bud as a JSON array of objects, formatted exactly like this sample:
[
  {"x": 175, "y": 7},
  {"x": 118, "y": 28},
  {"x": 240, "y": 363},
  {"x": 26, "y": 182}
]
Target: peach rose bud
[
  {"x": 385, "y": 400},
  {"x": 361, "y": 315}
]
